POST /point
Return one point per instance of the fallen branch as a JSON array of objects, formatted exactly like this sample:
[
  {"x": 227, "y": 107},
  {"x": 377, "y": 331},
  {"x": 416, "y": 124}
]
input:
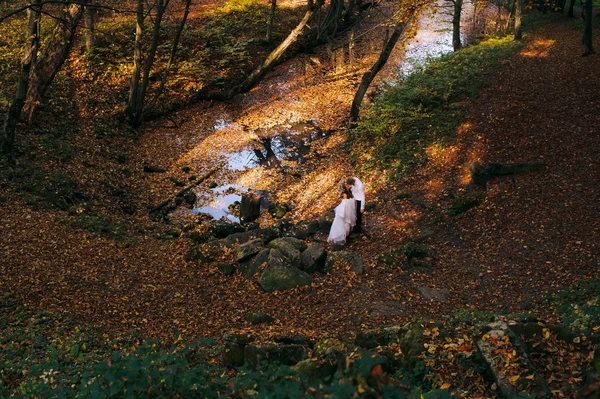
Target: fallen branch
[{"x": 185, "y": 190}]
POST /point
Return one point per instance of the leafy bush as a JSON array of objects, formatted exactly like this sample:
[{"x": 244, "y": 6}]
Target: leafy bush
[{"x": 425, "y": 108}]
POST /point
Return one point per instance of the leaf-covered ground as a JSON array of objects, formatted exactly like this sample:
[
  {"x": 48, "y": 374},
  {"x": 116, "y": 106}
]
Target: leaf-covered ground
[{"x": 528, "y": 238}]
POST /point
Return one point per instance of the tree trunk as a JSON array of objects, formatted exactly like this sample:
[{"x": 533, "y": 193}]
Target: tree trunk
[
  {"x": 570, "y": 13},
  {"x": 456, "y": 43},
  {"x": 270, "y": 21},
  {"x": 90, "y": 29},
  {"x": 370, "y": 74},
  {"x": 518, "y": 14},
  {"x": 275, "y": 55},
  {"x": 173, "y": 53},
  {"x": 28, "y": 59},
  {"x": 51, "y": 60},
  {"x": 132, "y": 105},
  {"x": 136, "y": 114},
  {"x": 588, "y": 48}
]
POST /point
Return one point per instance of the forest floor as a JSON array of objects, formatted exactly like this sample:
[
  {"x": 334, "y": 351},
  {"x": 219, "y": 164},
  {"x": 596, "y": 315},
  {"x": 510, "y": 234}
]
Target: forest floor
[{"x": 527, "y": 239}]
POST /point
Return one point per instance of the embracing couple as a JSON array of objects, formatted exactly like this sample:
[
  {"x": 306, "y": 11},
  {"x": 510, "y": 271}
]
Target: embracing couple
[{"x": 348, "y": 214}]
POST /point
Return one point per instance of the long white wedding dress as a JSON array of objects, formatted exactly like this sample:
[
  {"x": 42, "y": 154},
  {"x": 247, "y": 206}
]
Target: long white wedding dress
[{"x": 345, "y": 219}]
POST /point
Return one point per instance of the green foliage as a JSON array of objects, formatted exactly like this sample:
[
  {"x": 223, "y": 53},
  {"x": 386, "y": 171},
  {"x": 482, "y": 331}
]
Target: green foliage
[
  {"x": 579, "y": 305},
  {"x": 425, "y": 108}
]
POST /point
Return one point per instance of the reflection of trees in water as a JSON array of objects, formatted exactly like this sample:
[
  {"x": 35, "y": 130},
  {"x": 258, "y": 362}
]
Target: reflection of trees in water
[{"x": 270, "y": 160}]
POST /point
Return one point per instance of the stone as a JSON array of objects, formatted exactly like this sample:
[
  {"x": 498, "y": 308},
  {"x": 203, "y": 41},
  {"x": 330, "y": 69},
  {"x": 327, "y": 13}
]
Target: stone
[
  {"x": 326, "y": 221},
  {"x": 221, "y": 229},
  {"x": 268, "y": 234},
  {"x": 235, "y": 344},
  {"x": 354, "y": 260},
  {"x": 189, "y": 198},
  {"x": 433, "y": 293},
  {"x": 289, "y": 248},
  {"x": 185, "y": 169},
  {"x": 280, "y": 274},
  {"x": 259, "y": 318},
  {"x": 319, "y": 369},
  {"x": 226, "y": 268},
  {"x": 534, "y": 386},
  {"x": 154, "y": 169},
  {"x": 247, "y": 250},
  {"x": 250, "y": 267},
  {"x": 313, "y": 259},
  {"x": 284, "y": 354},
  {"x": 237, "y": 238}
]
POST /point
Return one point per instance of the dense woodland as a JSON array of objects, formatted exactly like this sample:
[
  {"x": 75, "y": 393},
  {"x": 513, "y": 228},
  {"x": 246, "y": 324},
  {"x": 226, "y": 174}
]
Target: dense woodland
[{"x": 169, "y": 170}]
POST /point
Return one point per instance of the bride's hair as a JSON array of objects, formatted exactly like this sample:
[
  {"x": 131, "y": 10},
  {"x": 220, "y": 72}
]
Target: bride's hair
[{"x": 347, "y": 192}]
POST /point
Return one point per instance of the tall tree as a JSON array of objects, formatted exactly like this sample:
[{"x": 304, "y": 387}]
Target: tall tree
[
  {"x": 30, "y": 50},
  {"x": 90, "y": 28},
  {"x": 456, "y": 42},
  {"x": 142, "y": 67},
  {"x": 518, "y": 17},
  {"x": 588, "y": 47},
  {"x": 52, "y": 58}
]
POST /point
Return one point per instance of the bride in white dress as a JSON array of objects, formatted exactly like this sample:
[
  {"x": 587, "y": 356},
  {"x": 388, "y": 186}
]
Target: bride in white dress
[{"x": 345, "y": 219}]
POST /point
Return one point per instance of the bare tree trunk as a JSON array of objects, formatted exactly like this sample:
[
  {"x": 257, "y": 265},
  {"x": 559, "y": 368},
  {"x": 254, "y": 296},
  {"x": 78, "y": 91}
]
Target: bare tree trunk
[
  {"x": 132, "y": 105},
  {"x": 51, "y": 60},
  {"x": 518, "y": 18},
  {"x": 570, "y": 13},
  {"x": 90, "y": 29},
  {"x": 588, "y": 47},
  {"x": 275, "y": 55},
  {"x": 173, "y": 53},
  {"x": 370, "y": 74},
  {"x": 28, "y": 59},
  {"x": 456, "y": 42},
  {"x": 270, "y": 21}
]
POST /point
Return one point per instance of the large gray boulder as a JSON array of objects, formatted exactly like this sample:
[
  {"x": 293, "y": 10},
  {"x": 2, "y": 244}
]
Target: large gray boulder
[
  {"x": 250, "y": 267},
  {"x": 345, "y": 257},
  {"x": 429, "y": 294},
  {"x": 289, "y": 247},
  {"x": 313, "y": 259},
  {"x": 280, "y": 274},
  {"x": 247, "y": 250}
]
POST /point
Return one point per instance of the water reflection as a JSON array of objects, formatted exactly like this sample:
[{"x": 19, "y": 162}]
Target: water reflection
[
  {"x": 217, "y": 202},
  {"x": 290, "y": 143}
]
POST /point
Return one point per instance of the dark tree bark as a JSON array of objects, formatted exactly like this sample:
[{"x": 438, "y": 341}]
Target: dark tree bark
[
  {"x": 571, "y": 13},
  {"x": 140, "y": 78},
  {"x": 90, "y": 29},
  {"x": 27, "y": 61},
  {"x": 456, "y": 42},
  {"x": 588, "y": 47},
  {"x": 370, "y": 74},
  {"x": 518, "y": 17},
  {"x": 52, "y": 58},
  {"x": 270, "y": 20},
  {"x": 173, "y": 53}
]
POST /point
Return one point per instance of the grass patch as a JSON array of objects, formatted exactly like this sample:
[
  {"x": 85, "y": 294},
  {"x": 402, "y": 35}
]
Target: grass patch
[{"x": 425, "y": 108}]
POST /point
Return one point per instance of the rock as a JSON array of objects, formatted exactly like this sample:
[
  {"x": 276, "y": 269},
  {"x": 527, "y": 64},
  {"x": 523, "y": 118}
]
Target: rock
[
  {"x": 284, "y": 354},
  {"x": 280, "y": 275},
  {"x": 226, "y": 268},
  {"x": 379, "y": 337},
  {"x": 185, "y": 169},
  {"x": 247, "y": 250},
  {"x": 259, "y": 318},
  {"x": 233, "y": 353},
  {"x": 221, "y": 229},
  {"x": 269, "y": 234},
  {"x": 176, "y": 182},
  {"x": 189, "y": 197},
  {"x": 153, "y": 169},
  {"x": 313, "y": 259},
  {"x": 293, "y": 340},
  {"x": 213, "y": 185},
  {"x": 251, "y": 266},
  {"x": 354, "y": 260},
  {"x": 319, "y": 369},
  {"x": 510, "y": 386},
  {"x": 278, "y": 211},
  {"x": 326, "y": 221},
  {"x": 250, "y": 207},
  {"x": 237, "y": 238},
  {"x": 289, "y": 247},
  {"x": 433, "y": 293}
]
